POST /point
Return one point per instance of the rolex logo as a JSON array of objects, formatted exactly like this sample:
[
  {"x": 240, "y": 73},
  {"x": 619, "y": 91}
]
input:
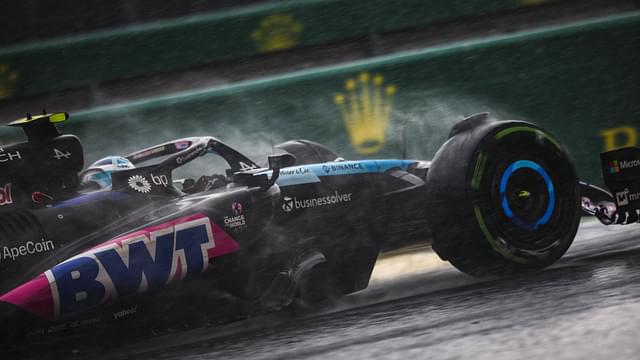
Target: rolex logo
[
  {"x": 8, "y": 80},
  {"x": 365, "y": 108},
  {"x": 277, "y": 32}
]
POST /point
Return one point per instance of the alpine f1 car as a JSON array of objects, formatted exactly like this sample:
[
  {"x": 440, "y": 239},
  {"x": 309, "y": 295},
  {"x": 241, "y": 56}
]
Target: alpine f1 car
[{"x": 499, "y": 197}]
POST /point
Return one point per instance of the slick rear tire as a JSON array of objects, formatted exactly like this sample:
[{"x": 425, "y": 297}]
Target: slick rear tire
[{"x": 503, "y": 198}]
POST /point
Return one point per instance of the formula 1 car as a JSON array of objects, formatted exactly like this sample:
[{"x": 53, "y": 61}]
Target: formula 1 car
[{"x": 499, "y": 197}]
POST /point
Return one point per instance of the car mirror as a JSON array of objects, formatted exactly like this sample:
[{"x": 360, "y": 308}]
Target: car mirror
[
  {"x": 251, "y": 179},
  {"x": 281, "y": 161}
]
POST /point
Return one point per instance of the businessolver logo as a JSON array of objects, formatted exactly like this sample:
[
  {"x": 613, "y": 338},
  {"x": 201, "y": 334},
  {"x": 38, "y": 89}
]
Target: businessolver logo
[
  {"x": 8, "y": 78},
  {"x": 277, "y": 32},
  {"x": 365, "y": 108}
]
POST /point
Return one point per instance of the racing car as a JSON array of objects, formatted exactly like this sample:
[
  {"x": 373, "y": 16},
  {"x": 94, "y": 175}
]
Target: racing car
[{"x": 297, "y": 228}]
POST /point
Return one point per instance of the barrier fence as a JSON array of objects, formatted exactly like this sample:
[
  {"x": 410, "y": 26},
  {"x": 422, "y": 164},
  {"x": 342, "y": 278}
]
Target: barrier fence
[
  {"x": 185, "y": 42},
  {"x": 579, "y": 81}
]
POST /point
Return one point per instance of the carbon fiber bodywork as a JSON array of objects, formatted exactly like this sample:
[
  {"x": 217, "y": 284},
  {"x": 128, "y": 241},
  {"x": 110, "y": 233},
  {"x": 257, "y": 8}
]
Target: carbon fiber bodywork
[{"x": 143, "y": 247}]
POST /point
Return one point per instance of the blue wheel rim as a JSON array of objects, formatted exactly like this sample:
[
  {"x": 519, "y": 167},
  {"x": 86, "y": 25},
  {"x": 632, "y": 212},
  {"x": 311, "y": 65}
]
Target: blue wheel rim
[{"x": 527, "y": 164}]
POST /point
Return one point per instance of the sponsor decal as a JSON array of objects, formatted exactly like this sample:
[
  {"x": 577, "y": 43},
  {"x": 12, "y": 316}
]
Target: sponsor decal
[
  {"x": 134, "y": 263},
  {"x": 309, "y": 174},
  {"x": 183, "y": 159},
  {"x": 9, "y": 156},
  {"x": 236, "y": 222},
  {"x": 277, "y": 32},
  {"x": 349, "y": 167},
  {"x": 237, "y": 207},
  {"x": 124, "y": 164},
  {"x": 296, "y": 176},
  {"x": 139, "y": 184},
  {"x": 365, "y": 108},
  {"x": 66, "y": 326},
  {"x": 125, "y": 312},
  {"x": 628, "y": 164},
  {"x": 293, "y": 203},
  {"x": 6, "y": 198},
  {"x": 26, "y": 249},
  {"x": 616, "y": 166},
  {"x": 160, "y": 180},
  {"x": 623, "y": 198},
  {"x": 38, "y": 197},
  {"x": 148, "y": 152},
  {"x": 181, "y": 145},
  {"x": 294, "y": 171}
]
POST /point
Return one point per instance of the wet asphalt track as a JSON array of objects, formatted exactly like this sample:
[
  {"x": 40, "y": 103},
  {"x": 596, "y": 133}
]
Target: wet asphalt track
[{"x": 587, "y": 306}]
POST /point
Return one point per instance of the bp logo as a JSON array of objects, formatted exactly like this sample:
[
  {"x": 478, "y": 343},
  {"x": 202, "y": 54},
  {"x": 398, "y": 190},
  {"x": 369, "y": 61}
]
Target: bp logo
[
  {"x": 277, "y": 32},
  {"x": 365, "y": 107},
  {"x": 139, "y": 184},
  {"x": 8, "y": 78}
]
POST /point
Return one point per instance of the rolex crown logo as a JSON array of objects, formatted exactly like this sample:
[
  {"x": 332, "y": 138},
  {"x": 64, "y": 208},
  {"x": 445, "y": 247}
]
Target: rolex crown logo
[
  {"x": 8, "y": 80},
  {"x": 366, "y": 109},
  {"x": 277, "y": 32}
]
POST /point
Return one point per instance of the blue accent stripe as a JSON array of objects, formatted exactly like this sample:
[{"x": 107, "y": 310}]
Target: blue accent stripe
[
  {"x": 309, "y": 174},
  {"x": 505, "y": 203},
  {"x": 91, "y": 197}
]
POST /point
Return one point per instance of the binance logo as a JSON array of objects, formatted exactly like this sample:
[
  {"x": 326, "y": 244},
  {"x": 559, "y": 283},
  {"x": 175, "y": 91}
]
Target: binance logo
[
  {"x": 277, "y": 32},
  {"x": 8, "y": 80},
  {"x": 366, "y": 108}
]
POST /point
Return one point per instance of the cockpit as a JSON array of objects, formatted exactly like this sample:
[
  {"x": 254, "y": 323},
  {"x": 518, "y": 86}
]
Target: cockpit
[{"x": 189, "y": 165}]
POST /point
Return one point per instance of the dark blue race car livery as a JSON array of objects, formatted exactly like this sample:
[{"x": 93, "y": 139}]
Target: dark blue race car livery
[{"x": 499, "y": 197}]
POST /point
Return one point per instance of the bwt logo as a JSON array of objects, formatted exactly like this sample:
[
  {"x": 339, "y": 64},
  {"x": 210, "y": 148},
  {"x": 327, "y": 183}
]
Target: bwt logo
[
  {"x": 136, "y": 263},
  {"x": 623, "y": 198}
]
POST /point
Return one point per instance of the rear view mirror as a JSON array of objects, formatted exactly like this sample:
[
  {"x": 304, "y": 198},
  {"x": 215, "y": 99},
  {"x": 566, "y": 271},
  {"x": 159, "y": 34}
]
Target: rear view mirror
[
  {"x": 251, "y": 179},
  {"x": 281, "y": 161}
]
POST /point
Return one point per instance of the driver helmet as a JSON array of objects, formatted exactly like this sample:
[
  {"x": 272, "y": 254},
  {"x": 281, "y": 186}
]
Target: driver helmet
[{"x": 100, "y": 171}]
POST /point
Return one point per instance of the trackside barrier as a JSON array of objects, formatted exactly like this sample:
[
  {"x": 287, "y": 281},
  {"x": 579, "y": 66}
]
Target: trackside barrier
[
  {"x": 201, "y": 39},
  {"x": 36, "y": 19},
  {"x": 580, "y": 81}
]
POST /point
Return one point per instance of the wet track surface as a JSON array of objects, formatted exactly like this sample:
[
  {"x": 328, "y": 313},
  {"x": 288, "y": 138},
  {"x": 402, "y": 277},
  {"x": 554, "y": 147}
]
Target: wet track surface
[{"x": 585, "y": 306}]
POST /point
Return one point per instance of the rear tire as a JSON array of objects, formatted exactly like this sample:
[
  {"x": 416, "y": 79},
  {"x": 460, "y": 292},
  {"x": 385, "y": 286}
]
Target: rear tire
[{"x": 504, "y": 198}]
